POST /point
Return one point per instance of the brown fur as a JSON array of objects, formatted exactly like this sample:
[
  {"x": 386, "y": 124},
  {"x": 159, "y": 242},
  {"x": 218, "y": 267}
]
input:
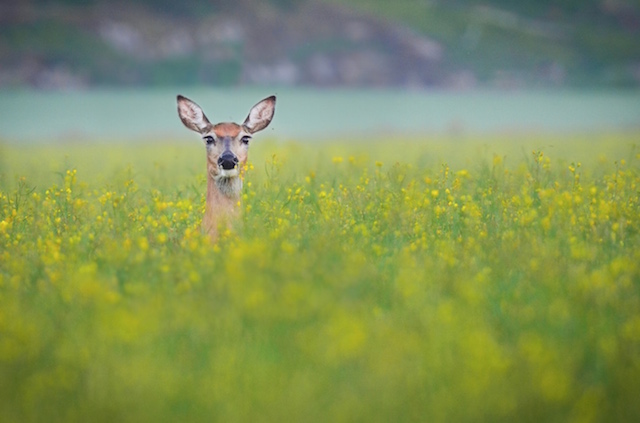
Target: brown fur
[{"x": 227, "y": 129}]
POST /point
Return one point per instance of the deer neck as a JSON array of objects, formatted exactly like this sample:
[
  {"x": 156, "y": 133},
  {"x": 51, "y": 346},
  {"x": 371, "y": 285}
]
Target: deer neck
[{"x": 223, "y": 196}]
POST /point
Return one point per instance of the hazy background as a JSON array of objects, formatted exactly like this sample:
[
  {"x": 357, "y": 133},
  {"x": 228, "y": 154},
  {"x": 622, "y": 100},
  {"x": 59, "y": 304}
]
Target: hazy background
[{"x": 99, "y": 69}]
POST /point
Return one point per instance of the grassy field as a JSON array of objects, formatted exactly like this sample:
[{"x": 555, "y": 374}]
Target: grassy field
[{"x": 411, "y": 279}]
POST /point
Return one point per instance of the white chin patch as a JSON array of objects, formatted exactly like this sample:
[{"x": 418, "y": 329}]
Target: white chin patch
[{"x": 229, "y": 173}]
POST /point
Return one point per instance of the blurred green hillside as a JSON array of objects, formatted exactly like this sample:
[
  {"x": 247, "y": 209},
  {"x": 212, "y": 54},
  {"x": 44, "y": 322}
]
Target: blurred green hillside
[
  {"x": 594, "y": 42},
  {"x": 361, "y": 43}
]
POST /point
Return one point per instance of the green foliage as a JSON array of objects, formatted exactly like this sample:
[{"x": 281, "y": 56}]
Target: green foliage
[
  {"x": 50, "y": 40},
  {"x": 365, "y": 281},
  {"x": 524, "y": 37},
  {"x": 500, "y": 41}
]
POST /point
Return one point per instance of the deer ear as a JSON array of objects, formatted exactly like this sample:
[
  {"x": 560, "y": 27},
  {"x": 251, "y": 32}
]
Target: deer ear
[
  {"x": 260, "y": 115},
  {"x": 192, "y": 115}
]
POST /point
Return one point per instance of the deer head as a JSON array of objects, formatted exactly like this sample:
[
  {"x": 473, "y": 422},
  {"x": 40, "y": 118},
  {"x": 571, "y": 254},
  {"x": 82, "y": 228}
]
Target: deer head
[{"x": 227, "y": 143}]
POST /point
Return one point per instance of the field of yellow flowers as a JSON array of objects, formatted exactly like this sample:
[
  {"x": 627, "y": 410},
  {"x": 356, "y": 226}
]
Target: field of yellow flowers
[{"x": 397, "y": 279}]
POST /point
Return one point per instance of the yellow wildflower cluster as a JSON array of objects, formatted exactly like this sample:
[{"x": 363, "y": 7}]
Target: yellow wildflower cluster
[{"x": 353, "y": 287}]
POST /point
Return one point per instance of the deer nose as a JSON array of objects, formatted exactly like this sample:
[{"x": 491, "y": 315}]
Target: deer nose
[{"x": 227, "y": 160}]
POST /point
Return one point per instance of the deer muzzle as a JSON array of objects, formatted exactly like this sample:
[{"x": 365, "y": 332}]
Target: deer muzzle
[{"x": 227, "y": 160}]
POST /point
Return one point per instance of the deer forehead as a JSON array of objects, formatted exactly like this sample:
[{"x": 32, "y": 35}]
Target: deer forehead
[{"x": 227, "y": 129}]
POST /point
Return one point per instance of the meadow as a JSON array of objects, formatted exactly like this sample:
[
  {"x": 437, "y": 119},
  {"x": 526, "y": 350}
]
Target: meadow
[{"x": 403, "y": 278}]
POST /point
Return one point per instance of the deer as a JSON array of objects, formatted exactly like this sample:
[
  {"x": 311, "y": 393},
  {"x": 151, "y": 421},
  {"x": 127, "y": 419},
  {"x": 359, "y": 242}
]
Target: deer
[{"x": 227, "y": 146}]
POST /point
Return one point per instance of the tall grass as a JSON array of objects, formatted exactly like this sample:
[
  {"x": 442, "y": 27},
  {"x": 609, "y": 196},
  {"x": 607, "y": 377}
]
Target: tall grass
[{"x": 457, "y": 279}]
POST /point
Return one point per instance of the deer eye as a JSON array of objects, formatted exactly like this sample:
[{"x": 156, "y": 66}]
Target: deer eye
[
  {"x": 209, "y": 140},
  {"x": 245, "y": 140}
]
